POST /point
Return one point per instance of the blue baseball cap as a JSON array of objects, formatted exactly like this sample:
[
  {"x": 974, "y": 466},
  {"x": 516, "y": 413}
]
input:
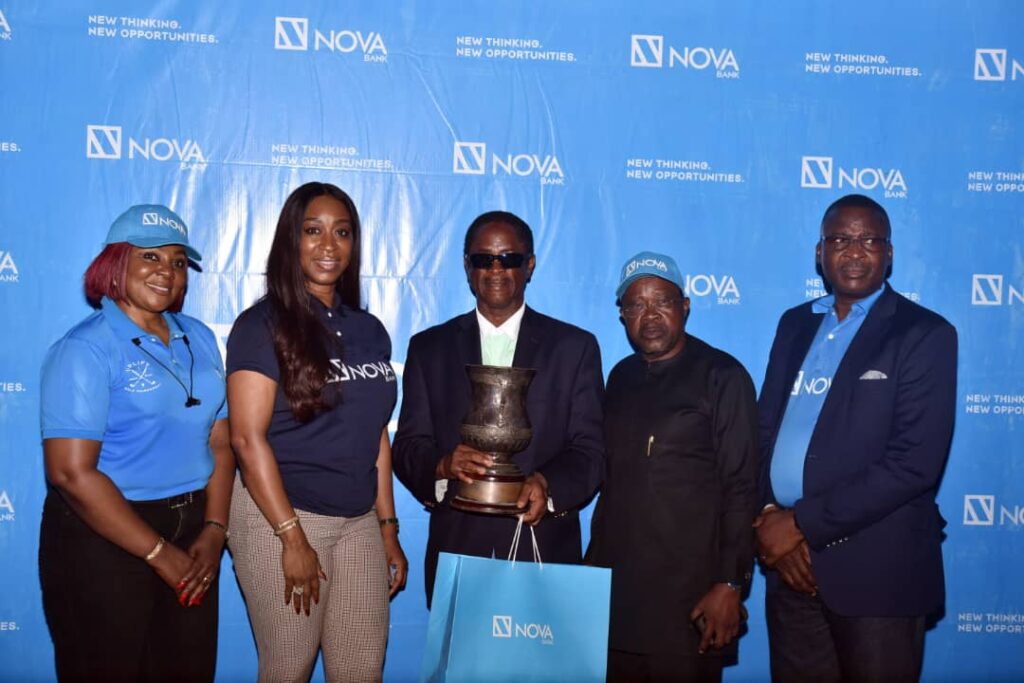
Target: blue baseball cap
[
  {"x": 649, "y": 264},
  {"x": 151, "y": 225}
]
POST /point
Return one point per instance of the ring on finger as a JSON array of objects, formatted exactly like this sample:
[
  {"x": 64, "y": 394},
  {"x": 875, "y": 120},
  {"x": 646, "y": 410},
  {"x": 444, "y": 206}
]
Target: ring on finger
[
  {"x": 207, "y": 579},
  {"x": 299, "y": 590}
]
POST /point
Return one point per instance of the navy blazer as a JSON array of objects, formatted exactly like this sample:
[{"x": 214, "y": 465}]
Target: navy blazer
[
  {"x": 875, "y": 457},
  {"x": 564, "y": 407}
]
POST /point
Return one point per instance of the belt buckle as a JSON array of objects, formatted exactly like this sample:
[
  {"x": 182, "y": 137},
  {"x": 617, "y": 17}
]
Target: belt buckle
[{"x": 184, "y": 499}]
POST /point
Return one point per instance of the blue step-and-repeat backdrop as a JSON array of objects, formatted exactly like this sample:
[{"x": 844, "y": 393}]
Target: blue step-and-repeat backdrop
[{"x": 715, "y": 131}]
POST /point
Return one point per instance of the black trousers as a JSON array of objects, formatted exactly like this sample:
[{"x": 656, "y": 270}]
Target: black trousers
[
  {"x": 663, "y": 667},
  {"x": 808, "y": 642},
  {"x": 111, "y": 617}
]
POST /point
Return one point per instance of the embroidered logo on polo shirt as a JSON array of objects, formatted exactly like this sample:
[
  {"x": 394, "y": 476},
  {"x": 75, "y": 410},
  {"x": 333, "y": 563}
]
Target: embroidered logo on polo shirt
[
  {"x": 140, "y": 377},
  {"x": 374, "y": 370}
]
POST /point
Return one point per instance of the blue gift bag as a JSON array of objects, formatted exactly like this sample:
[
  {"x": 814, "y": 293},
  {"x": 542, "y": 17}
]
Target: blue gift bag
[{"x": 495, "y": 620}]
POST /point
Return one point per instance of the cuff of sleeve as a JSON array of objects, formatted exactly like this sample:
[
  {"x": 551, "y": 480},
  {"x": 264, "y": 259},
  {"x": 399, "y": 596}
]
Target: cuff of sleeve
[
  {"x": 89, "y": 434},
  {"x": 440, "y": 488}
]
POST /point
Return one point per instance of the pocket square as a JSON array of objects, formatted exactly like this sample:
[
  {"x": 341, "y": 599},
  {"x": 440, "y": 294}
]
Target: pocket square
[{"x": 874, "y": 374}]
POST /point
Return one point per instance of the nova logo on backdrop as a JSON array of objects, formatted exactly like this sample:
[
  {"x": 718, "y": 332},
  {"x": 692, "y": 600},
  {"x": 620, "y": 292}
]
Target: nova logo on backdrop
[
  {"x": 470, "y": 158},
  {"x": 818, "y": 173},
  {"x": 6, "y": 507},
  {"x": 648, "y": 51},
  {"x": 990, "y": 65},
  {"x": 722, "y": 287},
  {"x": 292, "y": 33},
  {"x": 8, "y": 269},
  {"x": 988, "y": 290},
  {"x": 106, "y": 142},
  {"x": 504, "y": 627},
  {"x": 980, "y": 510},
  {"x": 5, "y": 28}
]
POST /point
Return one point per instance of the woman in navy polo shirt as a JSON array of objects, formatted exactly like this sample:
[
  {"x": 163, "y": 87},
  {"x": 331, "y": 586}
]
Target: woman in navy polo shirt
[
  {"x": 137, "y": 454},
  {"x": 314, "y": 536}
]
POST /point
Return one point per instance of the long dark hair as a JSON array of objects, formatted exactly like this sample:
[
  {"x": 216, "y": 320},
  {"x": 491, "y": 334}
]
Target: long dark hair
[{"x": 301, "y": 343}]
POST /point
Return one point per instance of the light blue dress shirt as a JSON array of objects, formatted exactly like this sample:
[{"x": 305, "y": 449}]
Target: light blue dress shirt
[{"x": 809, "y": 391}]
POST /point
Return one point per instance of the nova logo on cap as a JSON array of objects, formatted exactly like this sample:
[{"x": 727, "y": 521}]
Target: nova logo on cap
[
  {"x": 632, "y": 266},
  {"x": 5, "y": 28},
  {"x": 470, "y": 158},
  {"x": 990, "y": 65},
  {"x": 154, "y": 218}
]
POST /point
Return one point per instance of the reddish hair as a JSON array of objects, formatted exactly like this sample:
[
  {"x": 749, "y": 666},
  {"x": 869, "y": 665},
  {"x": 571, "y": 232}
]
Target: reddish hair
[{"x": 106, "y": 275}]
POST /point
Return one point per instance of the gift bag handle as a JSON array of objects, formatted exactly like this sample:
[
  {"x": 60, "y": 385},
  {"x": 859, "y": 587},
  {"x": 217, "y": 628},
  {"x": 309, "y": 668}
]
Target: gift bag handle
[{"x": 514, "y": 549}]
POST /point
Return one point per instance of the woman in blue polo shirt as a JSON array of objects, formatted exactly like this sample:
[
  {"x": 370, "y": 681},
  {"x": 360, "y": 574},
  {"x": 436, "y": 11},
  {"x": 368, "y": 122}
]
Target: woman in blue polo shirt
[
  {"x": 314, "y": 536},
  {"x": 137, "y": 455}
]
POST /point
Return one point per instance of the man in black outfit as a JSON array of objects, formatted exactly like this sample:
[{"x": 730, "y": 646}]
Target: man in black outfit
[{"x": 674, "y": 518}]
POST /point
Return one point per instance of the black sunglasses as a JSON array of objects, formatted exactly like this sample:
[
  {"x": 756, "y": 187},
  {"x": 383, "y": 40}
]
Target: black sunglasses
[{"x": 509, "y": 260}]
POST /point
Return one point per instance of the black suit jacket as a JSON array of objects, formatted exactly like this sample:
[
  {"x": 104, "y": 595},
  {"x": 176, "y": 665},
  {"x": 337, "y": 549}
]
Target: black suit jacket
[
  {"x": 875, "y": 457},
  {"x": 564, "y": 407}
]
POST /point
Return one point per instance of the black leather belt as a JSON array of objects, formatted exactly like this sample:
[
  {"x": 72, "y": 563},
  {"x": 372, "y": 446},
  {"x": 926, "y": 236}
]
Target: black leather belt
[{"x": 174, "y": 502}]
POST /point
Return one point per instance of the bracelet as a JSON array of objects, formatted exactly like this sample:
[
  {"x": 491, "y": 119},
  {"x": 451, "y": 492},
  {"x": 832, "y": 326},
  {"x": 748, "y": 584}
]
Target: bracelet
[
  {"x": 286, "y": 525},
  {"x": 215, "y": 523},
  {"x": 389, "y": 520},
  {"x": 156, "y": 549}
]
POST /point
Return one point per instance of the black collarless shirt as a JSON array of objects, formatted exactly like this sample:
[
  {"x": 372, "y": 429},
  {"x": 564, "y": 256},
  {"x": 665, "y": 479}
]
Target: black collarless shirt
[{"x": 675, "y": 514}]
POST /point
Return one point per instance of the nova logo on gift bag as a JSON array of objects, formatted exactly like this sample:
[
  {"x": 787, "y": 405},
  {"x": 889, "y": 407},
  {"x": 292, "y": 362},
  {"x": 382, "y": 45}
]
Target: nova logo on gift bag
[
  {"x": 495, "y": 621},
  {"x": 503, "y": 627}
]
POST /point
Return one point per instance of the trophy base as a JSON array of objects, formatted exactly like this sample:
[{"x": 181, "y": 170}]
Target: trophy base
[
  {"x": 486, "y": 508},
  {"x": 490, "y": 494}
]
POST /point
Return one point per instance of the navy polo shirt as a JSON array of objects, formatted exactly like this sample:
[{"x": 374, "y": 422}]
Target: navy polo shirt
[
  {"x": 97, "y": 384},
  {"x": 329, "y": 464}
]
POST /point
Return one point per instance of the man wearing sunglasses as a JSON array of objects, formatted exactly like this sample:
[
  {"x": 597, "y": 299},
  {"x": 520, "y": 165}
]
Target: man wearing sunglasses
[
  {"x": 564, "y": 462},
  {"x": 856, "y": 418},
  {"x": 673, "y": 519}
]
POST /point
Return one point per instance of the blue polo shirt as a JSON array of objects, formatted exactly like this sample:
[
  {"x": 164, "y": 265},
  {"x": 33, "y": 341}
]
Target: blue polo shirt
[
  {"x": 809, "y": 391},
  {"x": 97, "y": 384},
  {"x": 328, "y": 465}
]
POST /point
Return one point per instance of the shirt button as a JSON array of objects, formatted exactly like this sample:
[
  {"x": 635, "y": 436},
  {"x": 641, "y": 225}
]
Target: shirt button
[
  {"x": 338, "y": 333},
  {"x": 831, "y": 336},
  {"x": 329, "y": 314}
]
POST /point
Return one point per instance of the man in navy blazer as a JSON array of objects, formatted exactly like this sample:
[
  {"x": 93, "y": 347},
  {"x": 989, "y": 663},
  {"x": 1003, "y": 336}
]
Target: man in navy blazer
[
  {"x": 564, "y": 462},
  {"x": 856, "y": 416}
]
